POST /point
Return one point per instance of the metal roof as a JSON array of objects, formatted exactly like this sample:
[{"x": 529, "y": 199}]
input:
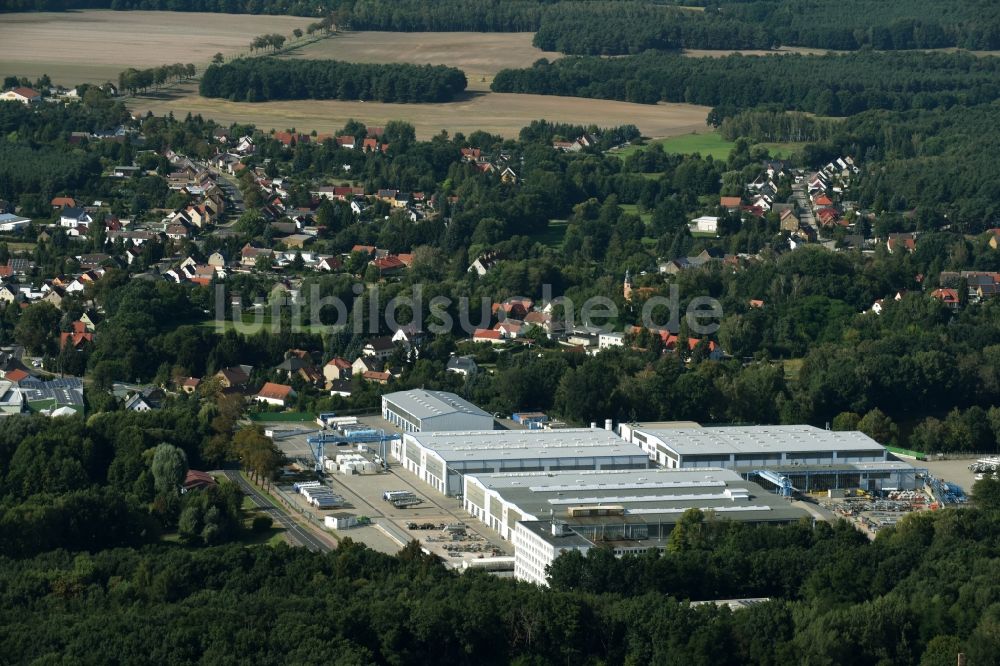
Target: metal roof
[
  {"x": 454, "y": 446},
  {"x": 423, "y": 404},
  {"x": 649, "y": 495},
  {"x": 759, "y": 439}
]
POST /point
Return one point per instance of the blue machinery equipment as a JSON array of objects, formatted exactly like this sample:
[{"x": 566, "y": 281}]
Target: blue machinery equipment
[
  {"x": 317, "y": 443},
  {"x": 782, "y": 482}
]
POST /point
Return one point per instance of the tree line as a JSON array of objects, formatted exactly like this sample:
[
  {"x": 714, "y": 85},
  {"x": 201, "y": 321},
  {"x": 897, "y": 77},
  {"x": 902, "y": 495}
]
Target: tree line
[
  {"x": 592, "y": 27},
  {"x": 263, "y": 79},
  {"x": 828, "y": 85},
  {"x": 762, "y": 125},
  {"x": 135, "y": 80}
]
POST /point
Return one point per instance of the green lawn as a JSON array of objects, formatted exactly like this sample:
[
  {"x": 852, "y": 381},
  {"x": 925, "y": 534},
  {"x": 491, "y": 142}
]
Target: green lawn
[
  {"x": 792, "y": 367},
  {"x": 633, "y": 209},
  {"x": 783, "y": 151},
  {"x": 554, "y": 234},
  {"x": 709, "y": 143}
]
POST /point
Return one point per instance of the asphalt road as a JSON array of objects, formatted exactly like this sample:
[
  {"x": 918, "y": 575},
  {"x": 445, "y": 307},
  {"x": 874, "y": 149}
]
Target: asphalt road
[{"x": 297, "y": 534}]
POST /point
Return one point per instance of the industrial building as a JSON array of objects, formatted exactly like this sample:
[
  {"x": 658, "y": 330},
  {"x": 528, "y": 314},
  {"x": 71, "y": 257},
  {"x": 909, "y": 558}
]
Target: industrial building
[
  {"x": 630, "y": 510},
  {"x": 796, "y": 457},
  {"x": 423, "y": 411},
  {"x": 441, "y": 459},
  {"x": 736, "y": 447}
]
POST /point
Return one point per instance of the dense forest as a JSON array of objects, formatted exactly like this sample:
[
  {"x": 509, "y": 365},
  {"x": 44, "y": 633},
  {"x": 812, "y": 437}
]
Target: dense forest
[
  {"x": 626, "y": 26},
  {"x": 264, "y": 79},
  {"x": 919, "y": 594},
  {"x": 830, "y": 85}
]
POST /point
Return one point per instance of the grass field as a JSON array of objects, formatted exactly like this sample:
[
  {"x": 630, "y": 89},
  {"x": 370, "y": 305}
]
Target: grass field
[
  {"x": 498, "y": 113},
  {"x": 480, "y": 55},
  {"x": 633, "y": 209},
  {"x": 93, "y": 46},
  {"x": 554, "y": 235},
  {"x": 706, "y": 143}
]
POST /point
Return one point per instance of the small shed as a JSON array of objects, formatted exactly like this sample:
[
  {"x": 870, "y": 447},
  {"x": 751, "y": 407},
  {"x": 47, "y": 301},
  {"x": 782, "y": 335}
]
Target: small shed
[{"x": 340, "y": 521}]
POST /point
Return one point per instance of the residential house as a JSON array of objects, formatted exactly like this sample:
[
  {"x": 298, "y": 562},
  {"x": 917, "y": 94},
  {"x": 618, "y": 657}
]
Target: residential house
[
  {"x": 329, "y": 263},
  {"x": 462, "y": 365},
  {"x": 408, "y": 335},
  {"x": 336, "y": 369},
  {"x": 375, "y": 377},
  {"x": 906, "y": 241},
  {"x": 380, "y": 348},
  {"x": 516, "y": 307},
  {"x": 730, "y": 204},
  {"x": 77, "y": 337},
  {"x": 706, "y": 224},
  {"x": 488, "y": 335},
  {"x": 388, "y": 266},
  {"x": 216, "y": 260},
  {"x": 137, "y": 403},
  {"x": 363, "y": 364},
  {"x": 178, "y": 232},
  {"x": 509, "y": 328},
  {"x": 234, "y": 377},
  {"x": 249, "y": 255},
  {"x": 342, "y": 387},
  {"x": 610, "y": 339},
  {"x": 947, "y": 296},
  {"x": 789, "y": 221},
  {"x": 62, "y": 202},
  {"x": 8, "y": 293},
  {"x": 72, "y": 218},
  {"x": 195, "y": 480},
  {"x": 484, "y": 263},
  {"x": 190, "y": 385},
  {"x": 277, "y": 395},
  {"x": 22, "y": 95}
]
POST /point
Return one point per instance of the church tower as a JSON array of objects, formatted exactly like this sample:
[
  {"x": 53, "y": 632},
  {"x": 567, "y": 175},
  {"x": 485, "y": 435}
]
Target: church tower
[{"x": 627, "y": 287}]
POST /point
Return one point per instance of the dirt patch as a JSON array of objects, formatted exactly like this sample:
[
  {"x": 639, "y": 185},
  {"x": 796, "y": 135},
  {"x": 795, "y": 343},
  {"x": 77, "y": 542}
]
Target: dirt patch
[{"x": 93, "y": 46}]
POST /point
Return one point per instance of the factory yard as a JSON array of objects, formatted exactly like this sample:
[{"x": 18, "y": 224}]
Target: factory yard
[{"x": 434, "y": 521}]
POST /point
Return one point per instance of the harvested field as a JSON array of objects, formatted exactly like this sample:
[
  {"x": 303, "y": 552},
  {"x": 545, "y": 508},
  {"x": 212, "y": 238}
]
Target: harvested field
[
  {"x": 93, "y": 46},
  {"x": 498, "y": 113},
  {"x": 479, "y": 54}
]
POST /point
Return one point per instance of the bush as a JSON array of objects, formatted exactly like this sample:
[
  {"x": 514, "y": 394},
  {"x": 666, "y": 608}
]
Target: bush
[{"x": 261, "y": 523}]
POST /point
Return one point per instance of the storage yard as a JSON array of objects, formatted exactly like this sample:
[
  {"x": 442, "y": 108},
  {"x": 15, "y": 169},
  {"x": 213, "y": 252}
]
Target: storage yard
[{"x": 390, "y": 507}]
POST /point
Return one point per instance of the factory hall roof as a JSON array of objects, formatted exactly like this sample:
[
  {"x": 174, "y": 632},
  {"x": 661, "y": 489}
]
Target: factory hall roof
[
  {"x": 636, "y": 496},
  {"x": 526, "y": 444},
  {"x": 424, "y": 404},
  {"x": 759, "y": 439}
]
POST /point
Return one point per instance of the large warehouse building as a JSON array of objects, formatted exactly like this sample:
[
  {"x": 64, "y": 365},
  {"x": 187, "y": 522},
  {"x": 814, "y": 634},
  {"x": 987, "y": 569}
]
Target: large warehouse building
[
  {"x": 423, "y": 411},
  {"x": 752, "y": 446},
  {"x": 545, "y": 514},
  {"x": 808, "y": 458},
  {"x": 441, "y": 459}
]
